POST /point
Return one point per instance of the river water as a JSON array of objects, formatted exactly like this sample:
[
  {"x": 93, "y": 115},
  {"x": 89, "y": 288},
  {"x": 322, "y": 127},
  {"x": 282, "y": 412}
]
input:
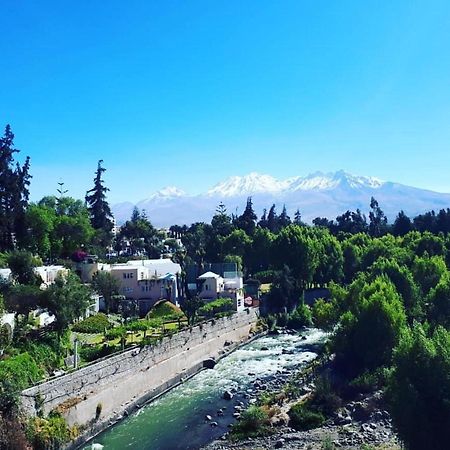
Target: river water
[{"x": 176, "y": 421}]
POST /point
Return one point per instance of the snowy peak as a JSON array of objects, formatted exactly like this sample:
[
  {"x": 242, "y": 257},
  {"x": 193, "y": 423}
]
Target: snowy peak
[
  {"x": 168, "y": 192},
  {"x": 322, "y": 181},
  {"x": 249, "y": 184}
]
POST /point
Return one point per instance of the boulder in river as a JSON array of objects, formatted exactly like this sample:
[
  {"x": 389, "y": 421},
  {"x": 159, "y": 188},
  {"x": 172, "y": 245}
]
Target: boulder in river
[{"x": 227, "y": 395}]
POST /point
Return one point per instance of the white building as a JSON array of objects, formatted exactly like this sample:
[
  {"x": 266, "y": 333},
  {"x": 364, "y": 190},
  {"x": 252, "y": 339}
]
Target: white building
[{"x": 214, "y": 286}]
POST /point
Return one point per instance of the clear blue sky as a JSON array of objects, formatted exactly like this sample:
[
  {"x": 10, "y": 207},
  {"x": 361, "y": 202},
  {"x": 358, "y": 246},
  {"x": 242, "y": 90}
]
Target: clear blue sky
[{"x": 187, "y": 93}]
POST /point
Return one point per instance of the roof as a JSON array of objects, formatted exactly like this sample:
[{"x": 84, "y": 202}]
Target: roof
[
  {"x": 208, "y": 275},
  {"x": 160, "y": 266}
]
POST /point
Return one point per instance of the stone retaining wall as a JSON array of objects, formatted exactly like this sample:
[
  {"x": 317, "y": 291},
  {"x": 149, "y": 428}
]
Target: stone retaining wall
[{"x": 120, "y": 382}]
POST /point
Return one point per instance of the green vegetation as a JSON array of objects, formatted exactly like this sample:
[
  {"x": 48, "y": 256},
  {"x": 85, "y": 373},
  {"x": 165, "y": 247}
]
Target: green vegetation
[
  {"x": 302, "y": 418},
  {"x": 93, "y": 324},
  {"x": 216, "y": 307},
  {"x": 165, "y": 310},
  {"x": 254, "y": 421},
  {"x": 51, "y": 432}
]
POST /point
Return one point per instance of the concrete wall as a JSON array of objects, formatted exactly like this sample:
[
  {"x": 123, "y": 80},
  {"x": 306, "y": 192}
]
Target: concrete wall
[{"x": 120, "y": 382}]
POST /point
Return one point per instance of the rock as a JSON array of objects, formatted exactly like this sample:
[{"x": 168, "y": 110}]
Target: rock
[
  {"x": 227, "y": 395},
  {"x": 279, "y": 420},
  {"x": 303, "y": 338},
  {"x": 237, "y": 415},
  {"x": 359, "y": 411},
  {"x": 208, "y": 418},
  {"x": 264, "y": 349},
  {"x": 214, "y": 424},
  {"x": 227, "y": 343},
  {"x": 279, "y": 443},
  {"x": 287, "y": 352}
]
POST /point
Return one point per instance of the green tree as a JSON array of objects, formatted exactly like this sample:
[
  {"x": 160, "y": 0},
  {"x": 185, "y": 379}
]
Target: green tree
[
  {"x": 297, "y": 248},
  {"x": 283, "y": 219},
  {"x": 377, "y": 219},
  {"x": 141, "y": 235},
  {"x": 419, "y": 389},
  {"x": 439, "y": 302},
  {"x": 107, "y": 286},
  {"x": 405, "y": 285},
  {"x": 40, "y": 222},
  {"x": 22, "y": 266},
  {"x": 190, "y": 307},
  {"x": 14, "y": 183},
  {"x": 284, "y": 292},
  {"x": 247, "y": 220},
  {"x": 99, "y": 210},
  {"x": 402, "y": 224},
  {"x": 22, "y": 299},
  {"x": 67, "y": 299},
  {"x": 272, "y": 220},
  {"x": 365, "y": 338},
  {"x": 428, "y": 272}
]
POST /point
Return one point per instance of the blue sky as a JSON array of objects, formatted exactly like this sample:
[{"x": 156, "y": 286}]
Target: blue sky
[{"x": 187, "y": 93}]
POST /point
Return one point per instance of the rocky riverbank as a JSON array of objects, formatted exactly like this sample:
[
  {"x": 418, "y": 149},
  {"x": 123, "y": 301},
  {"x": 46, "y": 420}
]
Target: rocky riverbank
[
  {"x": 362, "y": 421},
  {"x": 359, "y": 422}
]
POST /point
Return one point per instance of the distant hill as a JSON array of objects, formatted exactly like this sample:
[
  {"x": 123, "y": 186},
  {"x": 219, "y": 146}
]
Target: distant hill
[{"x": 318, "y": 194}]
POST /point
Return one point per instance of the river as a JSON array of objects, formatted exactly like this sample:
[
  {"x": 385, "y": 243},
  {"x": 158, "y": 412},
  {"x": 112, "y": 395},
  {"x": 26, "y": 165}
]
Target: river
[{"x": 176, "y": 420}]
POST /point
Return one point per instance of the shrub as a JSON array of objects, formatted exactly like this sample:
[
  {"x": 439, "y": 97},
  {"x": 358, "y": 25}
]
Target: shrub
[
  {"x": 265, "y": 276},
  {"x": 324, "y": 314},
  {"x": 217, "y": 306},
  {"x": 254, "y": 421},
  {"x": 282, "y": 319},
  {"x": 49, "y": 433},
  {"x": 165, "y": 310},
  {"x": 115, "y": 333},
  {"x": 419, "y": 389},
  {"x": 93, "y": 324},
  {"x": 271, "y": 322},
  {"x": 300, "y": 317},
  {"x": 98, "y": 410},
  {"x": 16, "y": 374},
  {"x": 302, "y": 418},
  {"x": 93, "y": 352}
]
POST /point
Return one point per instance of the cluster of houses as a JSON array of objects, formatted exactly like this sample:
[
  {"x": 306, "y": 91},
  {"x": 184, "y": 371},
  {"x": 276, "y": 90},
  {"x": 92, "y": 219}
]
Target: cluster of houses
[{"x": 147, "y": 281}]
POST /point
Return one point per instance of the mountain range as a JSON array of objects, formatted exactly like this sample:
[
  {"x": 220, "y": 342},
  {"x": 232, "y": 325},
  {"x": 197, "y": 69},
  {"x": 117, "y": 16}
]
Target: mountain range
[{"x": 318, "y": 194}]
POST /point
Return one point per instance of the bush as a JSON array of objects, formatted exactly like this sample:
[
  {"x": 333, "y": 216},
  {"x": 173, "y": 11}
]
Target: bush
[
  {"x": 419, "y": 389},
  {"x": 94, "y": 352},
  {"x": 217, "y": 306},
  {"x": 93, "y": 324},
  {"x": 300, "y": 317},
  {"x": 271, "y": 322},
  {"x": 282, "y": 319},
  {"x": 325, "y": 314},
  {"x": 302, "y": 418},
  {"x": 254, "y": 422},
  {"x": 265, "y": 276},
  {"x": 115, "y": 333},
  {"x": 49, "y": 433},
  {"x": 16, "y": 374},
  {"x": 165, "y": 310}
]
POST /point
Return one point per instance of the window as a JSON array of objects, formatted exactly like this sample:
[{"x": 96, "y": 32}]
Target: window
[{"x": 124, "y": 275}]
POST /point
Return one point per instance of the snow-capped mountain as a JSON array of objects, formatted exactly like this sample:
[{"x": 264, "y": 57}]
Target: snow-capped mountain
[
  {"x": 318, "y": 194},
  {"x": 167, "y": 193},
  {"x": 250, "y": 184}
]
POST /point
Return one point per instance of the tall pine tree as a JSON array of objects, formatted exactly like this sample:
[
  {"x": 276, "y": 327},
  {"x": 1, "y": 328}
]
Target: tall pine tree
[
  {"x": 99, "y": 210},
  {"x": 14, "y": 193}
]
